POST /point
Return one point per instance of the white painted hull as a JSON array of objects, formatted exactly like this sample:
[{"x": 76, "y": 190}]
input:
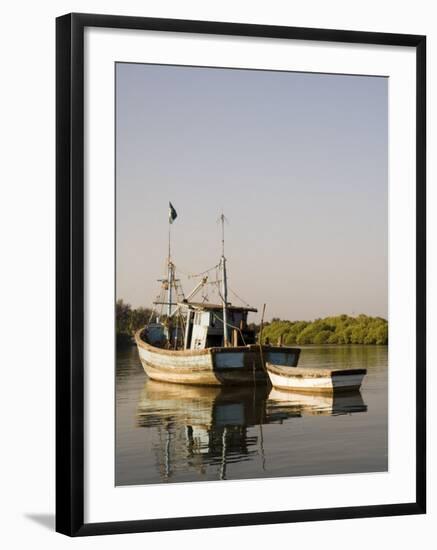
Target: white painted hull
[
  {"x": 315, "y": 380},
  {"x": 212, "y": 366}
]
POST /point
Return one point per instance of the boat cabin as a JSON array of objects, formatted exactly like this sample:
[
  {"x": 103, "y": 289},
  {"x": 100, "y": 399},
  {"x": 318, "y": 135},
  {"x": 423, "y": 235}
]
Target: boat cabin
[{"x": 204, "y": 326}]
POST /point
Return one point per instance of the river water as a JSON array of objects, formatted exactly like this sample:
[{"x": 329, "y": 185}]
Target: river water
[{"x": 173, "y": 433}]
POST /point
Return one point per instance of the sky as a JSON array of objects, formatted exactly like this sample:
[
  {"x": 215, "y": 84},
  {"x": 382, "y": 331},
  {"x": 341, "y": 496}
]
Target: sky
[{"x": 298, "y": 163}]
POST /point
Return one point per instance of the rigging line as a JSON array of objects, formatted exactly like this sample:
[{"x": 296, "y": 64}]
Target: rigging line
[
  {"x": 229, "y": 325},
  {"x": 152, "y": 313},
  {"x": 239, "y": 298},
  {"x": 182, "y": 322},
  {"x": 192, "y": 275},
  {"x": 176, "y": 332}
]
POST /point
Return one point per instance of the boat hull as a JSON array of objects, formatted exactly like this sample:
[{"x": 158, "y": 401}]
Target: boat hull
[
  {"x": 315, "y": 380},
  {"x": 211, "y": 366}
]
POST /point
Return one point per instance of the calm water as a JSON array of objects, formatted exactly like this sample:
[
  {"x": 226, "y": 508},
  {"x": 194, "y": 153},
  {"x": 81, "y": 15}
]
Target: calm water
[{"x": 174, "y": 433}]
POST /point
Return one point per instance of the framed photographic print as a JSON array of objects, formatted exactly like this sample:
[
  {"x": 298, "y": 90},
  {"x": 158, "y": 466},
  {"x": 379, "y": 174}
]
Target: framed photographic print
[{"x": 240, "y": 274}]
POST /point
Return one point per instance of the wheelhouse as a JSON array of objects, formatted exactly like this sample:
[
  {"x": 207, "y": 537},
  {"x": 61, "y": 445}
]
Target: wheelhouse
[{"x": 204, "y": 326}]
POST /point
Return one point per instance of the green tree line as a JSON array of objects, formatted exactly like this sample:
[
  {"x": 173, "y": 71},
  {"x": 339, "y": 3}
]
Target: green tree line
[
  {"x": 129, "y": 320},
  {"x": 341, "y": 329}
]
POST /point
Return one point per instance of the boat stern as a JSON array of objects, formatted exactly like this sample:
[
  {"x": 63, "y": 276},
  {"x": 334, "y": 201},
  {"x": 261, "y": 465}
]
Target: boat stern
[{"x": 281, "y": 355}]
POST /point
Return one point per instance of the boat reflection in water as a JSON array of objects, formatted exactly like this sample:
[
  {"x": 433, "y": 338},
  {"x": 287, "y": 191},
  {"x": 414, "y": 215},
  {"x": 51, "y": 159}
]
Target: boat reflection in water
[
  {"x": 199, "y": 427},
  {"x": 284, "y": 404},
  {"x": 202, "y": 426}
]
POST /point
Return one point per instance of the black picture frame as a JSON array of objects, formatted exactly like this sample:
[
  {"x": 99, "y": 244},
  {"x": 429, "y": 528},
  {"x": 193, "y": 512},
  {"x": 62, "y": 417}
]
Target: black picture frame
[{"x": 70, "y": 273}]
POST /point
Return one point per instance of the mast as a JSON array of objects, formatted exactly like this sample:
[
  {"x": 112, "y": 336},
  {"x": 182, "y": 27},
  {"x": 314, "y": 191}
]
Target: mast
[
  {"x": 172, "y": 215},
  {"x": 224, "y": 285},
  {"x": 170, "y": 282}
]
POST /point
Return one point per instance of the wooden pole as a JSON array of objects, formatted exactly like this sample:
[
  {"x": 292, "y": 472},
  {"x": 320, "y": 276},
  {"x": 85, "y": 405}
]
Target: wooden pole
[
  {"x": 262, "y": 324},
  {"x": 260, "y": 338}
]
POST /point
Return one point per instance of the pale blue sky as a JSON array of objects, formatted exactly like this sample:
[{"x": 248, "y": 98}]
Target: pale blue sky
[{"x": 297, "y": 162}]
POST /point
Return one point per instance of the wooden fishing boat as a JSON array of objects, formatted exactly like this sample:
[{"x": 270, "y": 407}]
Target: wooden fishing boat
[
  {"x": 212, "y": 365},
  {"x": 204, "y": 343},
  {"x": 314, "y": 379}
]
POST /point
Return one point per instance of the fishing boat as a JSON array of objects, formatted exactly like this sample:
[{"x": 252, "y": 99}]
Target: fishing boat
[
  {"x": 314, "y": 379},
  {"x": 198, "y": 342}
]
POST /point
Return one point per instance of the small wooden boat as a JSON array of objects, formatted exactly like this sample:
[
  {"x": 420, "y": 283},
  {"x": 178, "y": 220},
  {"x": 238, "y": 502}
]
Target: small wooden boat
[{"x": 314, "y": 379}]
